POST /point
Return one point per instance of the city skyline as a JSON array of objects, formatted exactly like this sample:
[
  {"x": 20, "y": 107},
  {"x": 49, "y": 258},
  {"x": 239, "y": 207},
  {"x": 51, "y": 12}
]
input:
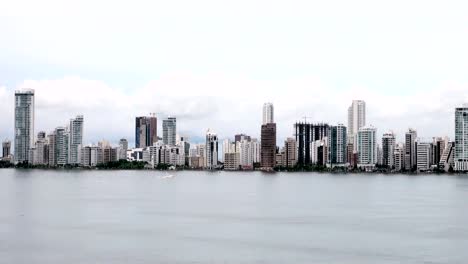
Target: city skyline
[{"x": 315, "y": 144}]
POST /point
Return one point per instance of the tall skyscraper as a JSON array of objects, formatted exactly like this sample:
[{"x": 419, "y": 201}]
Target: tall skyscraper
[
  {"x": 388, "y": 149},
  {"x": 337, "y": 144},
  {"x": 410, "y": 149},
  {"x": 24, "y": 124},
  {"x": 6, "y": 149},
  {"x": 461, "y": 138},
  {"x": 52, "y": 149},
  {"x": 356, "y": 120},
  {"x": 170, "y": 131},
  {"x": 268, "y": 146},
  {"x": 62, "y": 137},
  {"x": 211, "y": 151},
  {"x": 367, "y": 146},
  {"x": 268, "y": 113},
  {"x": 76, "y": 140},
  {"x": 146, "y": 131},
  {"x": 306, "y": 135}
]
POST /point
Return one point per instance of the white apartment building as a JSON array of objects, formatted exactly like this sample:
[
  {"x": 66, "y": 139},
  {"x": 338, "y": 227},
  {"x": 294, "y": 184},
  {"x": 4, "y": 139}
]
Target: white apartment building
[
  {"x": 367, "y": 146},
  {"x": 461, "y": 138}
]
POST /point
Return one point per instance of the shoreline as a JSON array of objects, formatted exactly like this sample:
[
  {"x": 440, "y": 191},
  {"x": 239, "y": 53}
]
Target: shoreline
[{"x": 246, "y": 171}]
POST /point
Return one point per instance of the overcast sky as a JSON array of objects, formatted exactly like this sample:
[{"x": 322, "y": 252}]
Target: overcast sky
[{"x": 213, "y": 64}]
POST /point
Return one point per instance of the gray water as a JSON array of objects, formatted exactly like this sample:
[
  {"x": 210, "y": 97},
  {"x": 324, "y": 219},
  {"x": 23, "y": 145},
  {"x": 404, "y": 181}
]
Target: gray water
[{"x": 222, "y": 217}]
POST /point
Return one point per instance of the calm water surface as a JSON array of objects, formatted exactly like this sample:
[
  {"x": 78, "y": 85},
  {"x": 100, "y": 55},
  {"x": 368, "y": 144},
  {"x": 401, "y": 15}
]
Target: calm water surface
[{"x": 221, "y": 217}]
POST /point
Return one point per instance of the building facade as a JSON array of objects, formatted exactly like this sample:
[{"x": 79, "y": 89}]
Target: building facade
[
  {"x": 24, "y": 124},
  {"x": 268, "y": 113},
  {"x": 399, "y": 158},
  {"x": 231, "y": 161},
  {"x": 268, "y": 146},
  {"x": 76, "y": 140},
  {"x": 51, "y": 138},
  {"x": 356, "y": 120},
  {"x": 146, "y": 131},
  {"x": 306, "y": 135},
  {"x": 290, "y": 152},
  {"x": 438, "y": 147},
  {"x": 123, "y": 147},
  {"x": 62, "y": 137},
  {"x": 410, "y": 149},
  {"x": 211, "y": 151},
  {"x": 388, "y": 149},
  {"x": 367, "y": 147},
  {"x": 170, "y": 131},
  {"x": 423, "y": 156},
  {"x": 337, "y": 145},
  {"x": 6, "y": 149},
  {"x": 461, "y": 138}
]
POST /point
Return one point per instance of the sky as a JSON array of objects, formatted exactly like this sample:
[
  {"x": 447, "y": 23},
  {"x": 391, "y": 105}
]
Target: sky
[{"x": 213, "y": 64}]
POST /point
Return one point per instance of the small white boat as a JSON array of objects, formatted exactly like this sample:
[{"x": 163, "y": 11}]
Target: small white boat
[{"x": 167, "y": 176}]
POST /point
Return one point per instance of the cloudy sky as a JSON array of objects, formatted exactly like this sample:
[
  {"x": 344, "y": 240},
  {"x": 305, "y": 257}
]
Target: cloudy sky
[{"x": 213, "y": 63}]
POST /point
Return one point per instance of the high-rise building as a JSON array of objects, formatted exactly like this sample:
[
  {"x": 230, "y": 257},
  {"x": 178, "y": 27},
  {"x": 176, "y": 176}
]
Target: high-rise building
[
  {"x": 6, "y": 149},
  {"x": 211, "y": 152},
  {"x": 461, "y": 138},
  {"x": 184, "y": 145},
  {"x": 62, "y": 137},
  {"x": 290, "y": 152},
  {"x": 170, "y": 131},
  {"x": 40, "y": 155},
  {"x": 423, "y": 155},
  {"x": 146, "y": 131},
  {"x": 123, "y": 147},
  {"x": 367, "y": 146},
  {"x": 388, "y": 149},
  {"x": 356, "y": 120},
  {"x": 255, "y": 150},
  {"x": 76, "y": 140},
  {"x": 244, "y": 148},
  {"x": 319, "y": 152},
  {"x": 399, "y": 157},
  {"x": 24, "y": 124},
  {"x": 306, "y": 135},
  {"x": 52, "y": 149},
  {"x": 438, "y": 147},
  {"x": 337, "y": 145},
  {"x": 410, "y": 149},
  {"x": 268, "y": 113},
  {"x": 268, "y": 146}
]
